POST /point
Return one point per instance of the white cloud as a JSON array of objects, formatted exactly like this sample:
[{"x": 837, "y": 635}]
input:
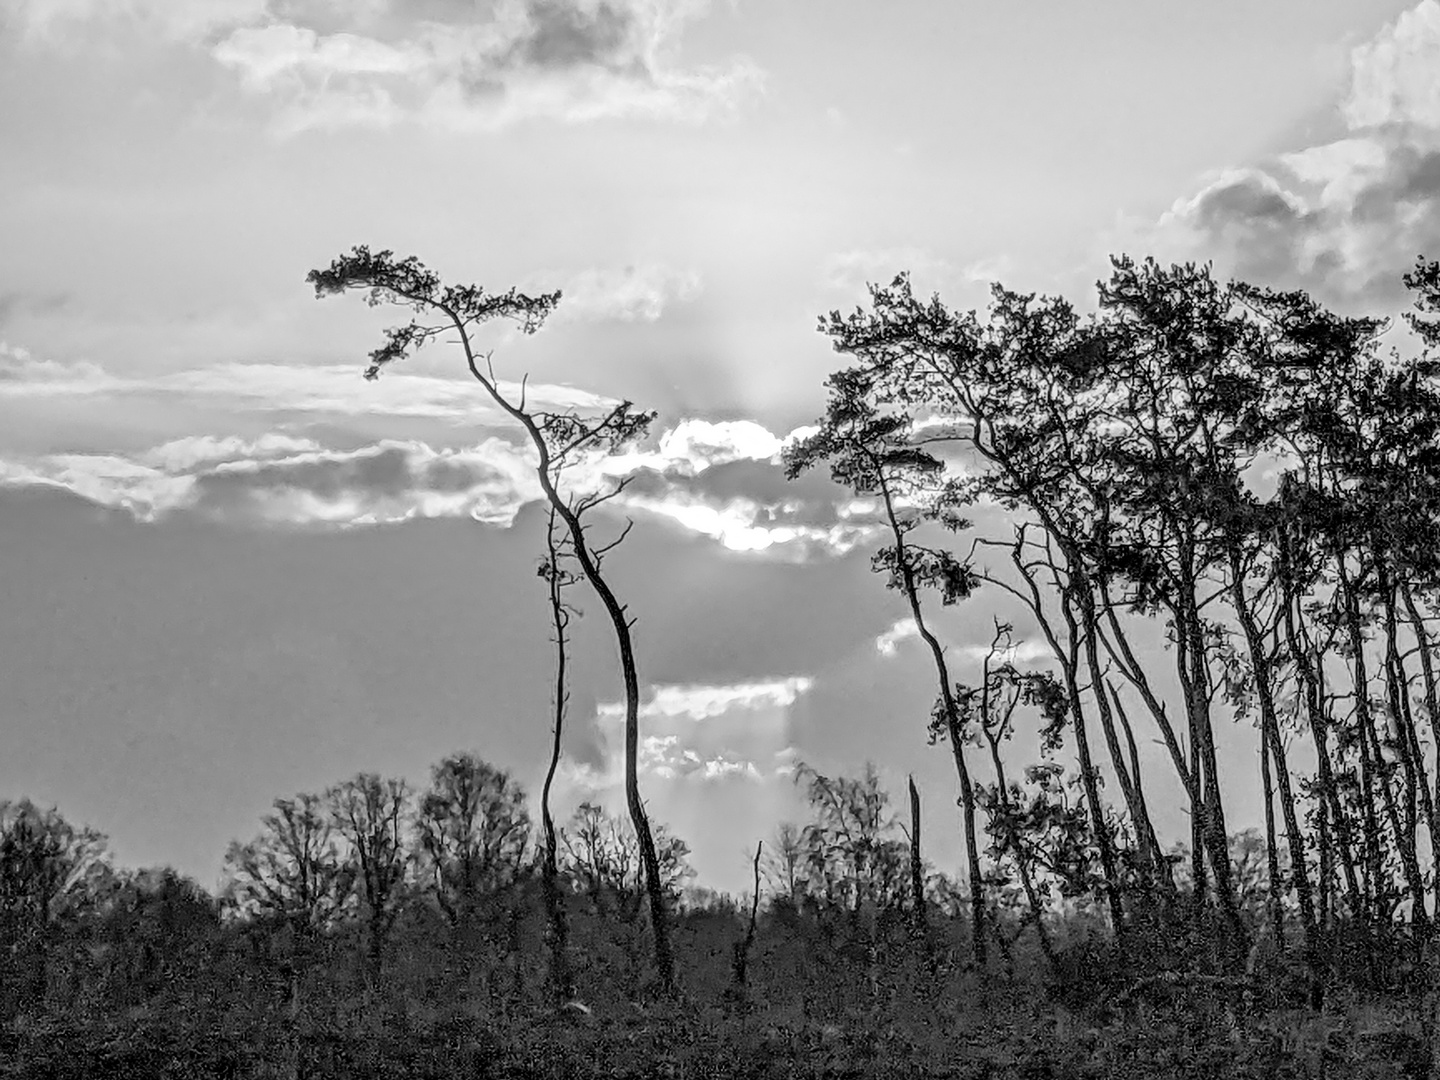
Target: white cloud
[
  {"x": 181, "y": 455},
  {"x": 739, "y": 525},
  {"x": 707, "y": 702},
  {"x": 23, "y": 374},
  {"x": 693, "y": 445},
  {"x": 888, "y": 643},
  {"x": 1020, "y": 652},
  {"x": 106, "y": 480},
  {"x": 1395, "y": 77},
  {"x": 329, "y": 388},
  {"x": 699, "y": 733},
  {"x": 732, "y": 740},
  {"x": 627, "y": 294}
]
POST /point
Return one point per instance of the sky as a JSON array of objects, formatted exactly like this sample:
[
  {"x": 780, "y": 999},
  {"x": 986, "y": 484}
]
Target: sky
[{"x": 232, "y": 570}]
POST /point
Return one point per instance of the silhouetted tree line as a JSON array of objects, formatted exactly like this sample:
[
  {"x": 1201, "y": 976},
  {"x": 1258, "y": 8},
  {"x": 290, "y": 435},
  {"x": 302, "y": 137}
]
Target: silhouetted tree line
[
  {"x": 1239, "y": 473},
  {"x": 370, "y": 913},
  {"x": 1221, "y": 522}
]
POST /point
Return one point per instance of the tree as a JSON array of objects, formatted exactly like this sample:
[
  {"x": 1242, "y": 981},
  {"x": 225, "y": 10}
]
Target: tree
[
  {"x": 473, "y": 830},
  {"x": 557, "y": 439},
  {"x": 291, "y": 877},
  {"x": 603, "y": 856},
  {"x": 989, "y": 391},
  {"x": 293, "y": 872},
  {"x": 50, "y": 874},
  {"x": 556, "y": 577},
  {"x": 783, "y": 864},
  {"x": 158, "y": 932},
  {"x": 873, "y": 453},
  {"x": 371, "y": 816},
  {"x": 854, "y": 857}
]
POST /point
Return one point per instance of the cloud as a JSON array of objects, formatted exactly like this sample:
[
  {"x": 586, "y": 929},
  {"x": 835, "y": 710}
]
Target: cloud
[
  {"x": 181, "y": 455},
  {"x": 107, "y": 480},
  {"x": 337, "y": 389},
  {"x": 571, "y": 60},
  {"x": 51, "y": 22},
  {"x": 724, "y": 480},
  {"x": 21, "y": 372},
  {"x": 697, "y": 733},
  {"x": 282, "y": 480},
  {"x": 888, "y": 643},
  {"x": 693, "y": 445},
  {"x": 731, "y": 741},
  {"x": 720, "y": 479},
  {"x": 1396, "y": 76},
  {"x": 629, "y": 294},
  {"x": 746, "y": 525},
  {"x": 389, "y": 482},
  {"x": 448, "y": 64},
  {"x": 289, "y": 478},
  {"x": 1344, "y": 218}
]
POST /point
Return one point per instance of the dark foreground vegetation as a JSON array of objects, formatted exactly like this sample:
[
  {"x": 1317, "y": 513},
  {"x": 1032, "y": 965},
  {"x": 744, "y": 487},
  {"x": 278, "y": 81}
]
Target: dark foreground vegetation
[
  {"x": 410, "y": 939},
  {"x": 1216, "y": 509}
]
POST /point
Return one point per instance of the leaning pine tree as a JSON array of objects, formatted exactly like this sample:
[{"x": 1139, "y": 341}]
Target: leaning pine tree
[{"x": 558, "y": 438}]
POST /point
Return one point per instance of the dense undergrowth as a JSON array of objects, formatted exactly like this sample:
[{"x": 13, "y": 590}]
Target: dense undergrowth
[{"x": 160, "y": 985}]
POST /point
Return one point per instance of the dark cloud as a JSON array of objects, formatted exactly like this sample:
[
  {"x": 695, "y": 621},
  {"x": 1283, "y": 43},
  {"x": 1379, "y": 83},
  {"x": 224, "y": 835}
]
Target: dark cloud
[
  {"x": 562, "y": 34},
  {"x": 1268, "y": 227},
  {"x": 391, "y": 481}
]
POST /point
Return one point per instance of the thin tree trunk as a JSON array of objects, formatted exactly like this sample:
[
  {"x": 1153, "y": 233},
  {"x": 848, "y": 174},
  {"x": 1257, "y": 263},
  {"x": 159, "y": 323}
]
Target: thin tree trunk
[
  {"x": 1427, "y": 673},
  {"x": 1432, "y": 708},
  {"x": 951, "y": 711},
  {"x": 561, "y": 982},
  {"x": 917, "y": 865},
  {"x": 621, "y": 624},
  {"x": 1361, "y": 681},
  {"x": 1162, "y": 864},
  {"x": 1022, "y": 861},
  {"x": 1069, "y": 661},
  {"x": 1216, "y": 833},
  {"x": 740, "y": 967},
  {"x": 1312, "y": 696},
  {"x": 1273, "y": 750},
  {"x": 1133, "y": 804},
  {"x": 1079, "y": 591},
  {"x": 1272, "y": 854},
  {"x": 1397, "y": 683}
]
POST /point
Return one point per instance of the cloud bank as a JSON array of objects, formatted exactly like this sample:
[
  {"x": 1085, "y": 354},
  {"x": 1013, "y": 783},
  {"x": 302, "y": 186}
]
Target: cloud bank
[{"x": 720, "y": 480}]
